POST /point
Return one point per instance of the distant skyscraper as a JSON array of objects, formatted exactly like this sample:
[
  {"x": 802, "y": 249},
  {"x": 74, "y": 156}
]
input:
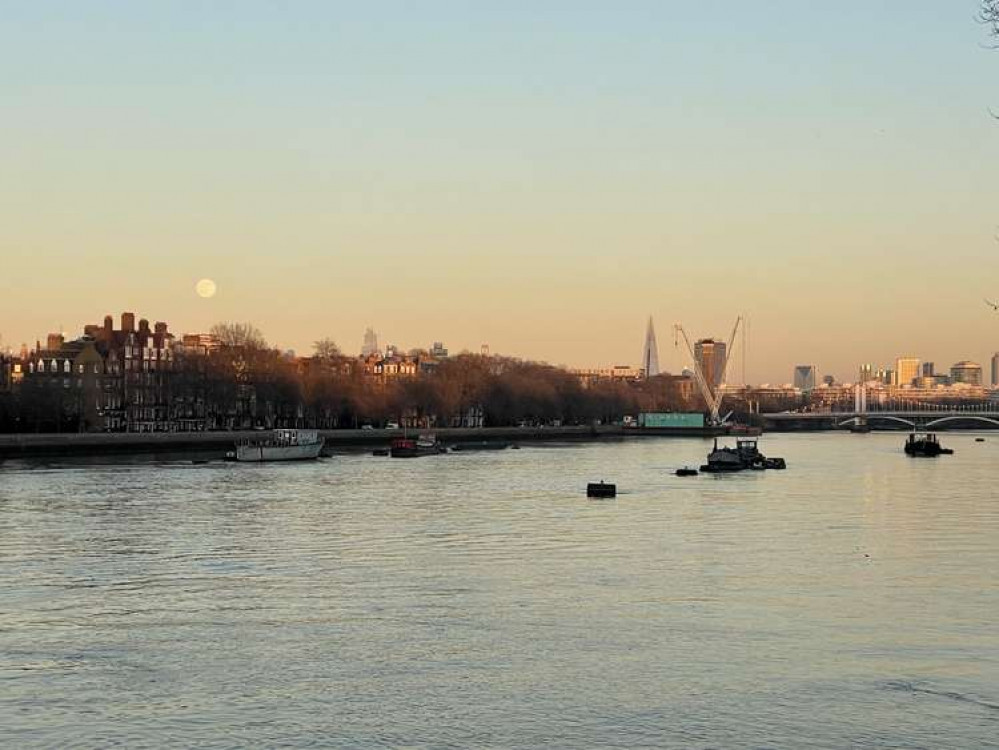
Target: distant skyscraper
[
  {"x": 906, "y": 370},
  {"x": 866, "y": 373},
  {"x": 710, "y": 355},
  {"x": 804, "y": 377},
  {"x": 370, "y": 343},
  {"x": 966, "y": 372},
  {"x": 650, "y": 354},
  {"x": 995, "y": 370},
  {"x": 928, "y": 370}
]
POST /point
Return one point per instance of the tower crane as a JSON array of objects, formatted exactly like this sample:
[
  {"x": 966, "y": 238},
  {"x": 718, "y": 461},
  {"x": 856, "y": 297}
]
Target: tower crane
[{"x": 712, "y": 399}]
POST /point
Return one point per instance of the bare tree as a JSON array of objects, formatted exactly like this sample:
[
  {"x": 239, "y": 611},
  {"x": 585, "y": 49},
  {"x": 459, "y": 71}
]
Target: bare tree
[
  {"x": 989, "y": 16},
  {"x": 326, "y": 348},
  {"x": 244, "y": 335}
]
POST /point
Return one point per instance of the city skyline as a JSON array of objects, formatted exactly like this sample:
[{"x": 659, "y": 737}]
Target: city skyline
[
  {"x": 476, "y": 174},
  {"x": 373, "y": 343}
]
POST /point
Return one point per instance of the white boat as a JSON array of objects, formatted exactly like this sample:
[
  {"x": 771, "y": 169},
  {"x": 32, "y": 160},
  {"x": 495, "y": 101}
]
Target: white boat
[{"x": 281, "y": 445}]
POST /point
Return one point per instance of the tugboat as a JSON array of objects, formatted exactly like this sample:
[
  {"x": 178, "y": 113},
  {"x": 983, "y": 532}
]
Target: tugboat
[
  {"x": 425, "y": 445},
  {"x": 745, "y": 455},
  {"x": 281, "y": 445},
  {"x": 925, "y": 445}
]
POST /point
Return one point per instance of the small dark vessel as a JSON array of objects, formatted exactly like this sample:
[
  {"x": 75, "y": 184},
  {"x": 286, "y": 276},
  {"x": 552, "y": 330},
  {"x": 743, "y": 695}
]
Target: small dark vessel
[
  {"x": 979, "y": 440},
  {"x": 380, "y": 452},
  {"x": 745, "y": 455},
  {"x": 601, "y": 489},
  {"x": 860, "y": 428},
  {"x": 481, "y": 445},
  {"x": 925, "y": 445},
  {"x": 686, "y": 472},
  {"x": 425, "y": 445}
]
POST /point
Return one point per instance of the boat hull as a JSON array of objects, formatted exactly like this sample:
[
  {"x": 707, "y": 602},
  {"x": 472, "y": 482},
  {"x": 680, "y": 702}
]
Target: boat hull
[
  {"x": 406, "y": 452},
  {"x": 925, "y": 446},
  {"x": 261, "y": 453}
]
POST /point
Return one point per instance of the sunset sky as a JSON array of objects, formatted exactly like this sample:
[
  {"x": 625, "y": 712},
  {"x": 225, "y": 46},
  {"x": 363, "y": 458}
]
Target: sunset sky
[{"x": 541, "y": 176}]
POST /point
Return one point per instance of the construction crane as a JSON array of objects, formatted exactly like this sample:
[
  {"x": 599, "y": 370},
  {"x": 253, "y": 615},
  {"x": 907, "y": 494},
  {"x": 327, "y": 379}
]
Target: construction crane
[{"x": 712, "y": 399}]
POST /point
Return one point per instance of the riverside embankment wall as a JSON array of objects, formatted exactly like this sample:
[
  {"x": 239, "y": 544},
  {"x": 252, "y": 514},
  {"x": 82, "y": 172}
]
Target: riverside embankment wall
[{"x": 124, "y": 443}]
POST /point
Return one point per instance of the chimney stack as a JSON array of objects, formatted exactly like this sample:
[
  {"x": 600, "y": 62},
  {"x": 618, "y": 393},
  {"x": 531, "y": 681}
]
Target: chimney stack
[{"x": 127, "y": 322}]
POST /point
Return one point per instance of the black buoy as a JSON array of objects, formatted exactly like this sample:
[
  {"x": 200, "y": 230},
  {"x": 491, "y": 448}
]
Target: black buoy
[{"x": 601, "y": 489}]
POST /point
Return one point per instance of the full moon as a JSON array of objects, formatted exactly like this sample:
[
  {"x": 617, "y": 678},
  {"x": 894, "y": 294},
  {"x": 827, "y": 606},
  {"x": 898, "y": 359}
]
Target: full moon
[{"x": 205, "y": 288}]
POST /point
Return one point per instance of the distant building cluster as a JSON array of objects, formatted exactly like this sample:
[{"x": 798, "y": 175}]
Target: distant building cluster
[
  {"x": 909, "y": 379},
  {"x": 140, "y": 377},
  {"x": 910, "y": 372}
]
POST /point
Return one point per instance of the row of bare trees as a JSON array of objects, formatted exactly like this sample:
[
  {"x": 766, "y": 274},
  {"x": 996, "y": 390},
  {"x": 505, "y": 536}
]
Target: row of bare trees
[{"x": 244, "y": 383}]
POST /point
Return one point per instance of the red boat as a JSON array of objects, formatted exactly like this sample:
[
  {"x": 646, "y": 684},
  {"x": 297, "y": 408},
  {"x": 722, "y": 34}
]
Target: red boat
[{"x": 425, "y": 445}]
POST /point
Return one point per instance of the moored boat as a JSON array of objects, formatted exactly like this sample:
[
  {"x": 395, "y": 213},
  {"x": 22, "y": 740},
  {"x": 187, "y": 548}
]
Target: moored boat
[
  {"x": 925, "y": 445},
  {"x": 425, "y": 445},
  {"x": 745, "y": 455},
  {"x": 281, "y": 445}
]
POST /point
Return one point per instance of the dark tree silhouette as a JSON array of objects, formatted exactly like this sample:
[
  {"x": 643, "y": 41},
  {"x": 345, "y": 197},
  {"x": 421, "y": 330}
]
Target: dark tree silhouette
[
  {"x": 989, "y": 15},
  {"x": 239, "y": 334},
  {"x": 326, "y": 349}
]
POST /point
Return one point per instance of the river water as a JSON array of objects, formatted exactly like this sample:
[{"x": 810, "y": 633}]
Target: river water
[{"x": 482, "y": 601}]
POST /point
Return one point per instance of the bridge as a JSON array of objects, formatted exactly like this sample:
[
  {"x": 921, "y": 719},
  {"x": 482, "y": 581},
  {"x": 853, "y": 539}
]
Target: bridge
[{"x": 913, "y": 413}]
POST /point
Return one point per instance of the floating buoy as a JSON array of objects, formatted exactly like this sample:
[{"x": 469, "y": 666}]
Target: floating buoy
[{"x": 601, "y": 489}]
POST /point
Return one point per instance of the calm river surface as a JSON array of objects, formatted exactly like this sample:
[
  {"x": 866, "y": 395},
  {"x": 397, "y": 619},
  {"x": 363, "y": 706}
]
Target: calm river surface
[{"x": 481, "y": 601}]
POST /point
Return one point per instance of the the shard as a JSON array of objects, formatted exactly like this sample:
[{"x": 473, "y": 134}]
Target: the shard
[{"x": 650, "y": 354}]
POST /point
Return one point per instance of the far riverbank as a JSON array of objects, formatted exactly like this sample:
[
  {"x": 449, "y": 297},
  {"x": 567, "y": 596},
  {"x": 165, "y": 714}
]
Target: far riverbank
[{"x": 206, "y": 443}]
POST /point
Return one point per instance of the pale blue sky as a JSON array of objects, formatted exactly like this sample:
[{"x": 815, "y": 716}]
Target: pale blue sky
[{"x": 540, "y": 176}]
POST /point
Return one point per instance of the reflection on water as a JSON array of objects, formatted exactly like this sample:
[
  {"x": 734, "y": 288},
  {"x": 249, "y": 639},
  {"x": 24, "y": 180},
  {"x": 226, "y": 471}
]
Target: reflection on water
[{"x": 480, "y": 600}]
